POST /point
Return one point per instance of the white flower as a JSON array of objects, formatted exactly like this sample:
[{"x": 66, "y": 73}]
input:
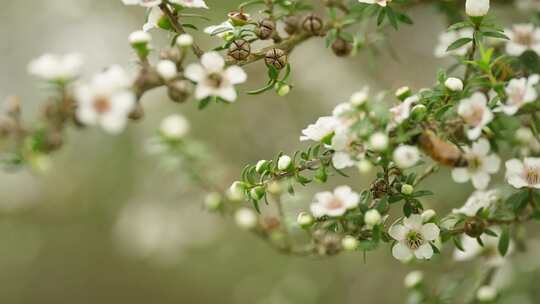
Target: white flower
[
  {"x": 174, "y": 126},
  {"x": 360, "y": 97},
  {"x": 480, "y": 164},
  {"x": 486, "y": 293},
  {"x": 284, "y": 162},
  {"x": 475, "y": 113},
  {"x": 213, "y": 79},
  {"x": 413, "y": 278},
  {"x": 454, "y": 84},
  {"x": 139, "y": 37},
  {"x": 524, "y": 173},
  {"x": 519, "y": 92},
  {"x": 223, "y": 28},
  {"x": 184, "y": 40},
  {"x": 413, "y": 238},
  {"x": 145, "y": 3},
  {"x": 153, "y": 18},
  {"x": 402, "y": 111},
  {"x": 190, "y": 3},
  {"x": 478, "y": 200},
  {"x": 382, "y": 3},
  {"x": 166, "y": 69},
  {"x": 490, "y": 252},
  {"x": 406, "y": 156},
  {"x": 245, "y": 218},
  {"x": 378, "y": 141},
  {"x": 334, "y": 204},
  {"x": 343, "y": 149},
  {"x": 107, "y": 100},
  {"x": 447, "y": 38},
  {"x": 55, "y": 67},
  {"x": 321, "y": 129},
  {"x": 523, "y": 37},
  {"x": 372, "y": 217},
  {"x": 477, "y": 8}
]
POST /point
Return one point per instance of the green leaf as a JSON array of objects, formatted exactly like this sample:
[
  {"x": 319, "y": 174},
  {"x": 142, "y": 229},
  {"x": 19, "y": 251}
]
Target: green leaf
[
  {"x": 495, "y": 35},
  {"x": 380, "y": 18},
  {"x": 392, "y": 17},
  {"x": 458, "y": 43},
  {"x": 504, "y": 241},
  {"x": 459, "y": 25}
]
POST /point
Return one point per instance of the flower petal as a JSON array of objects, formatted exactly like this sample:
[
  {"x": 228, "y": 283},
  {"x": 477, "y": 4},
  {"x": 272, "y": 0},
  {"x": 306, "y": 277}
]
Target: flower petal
[
  {"x": 460, "y": 175},
  {"x": 424, "y": 252},
  {"x": 398, "y": 232},
  {"x": 213, "y": 62},
  {"x": 430, "y": 231},
  {"x": 401, "y": 252},
  {"x": 413, "y": 222},
  {"x": 195, "y": 72},
  {"x": 235, "y": 74}
]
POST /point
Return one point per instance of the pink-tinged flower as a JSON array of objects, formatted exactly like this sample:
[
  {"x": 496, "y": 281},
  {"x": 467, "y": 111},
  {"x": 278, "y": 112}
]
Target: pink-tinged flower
[
  {"x": 475, "y": 113},
  {"x": 519, "y": 92},
  {"x": 480, "y": 165},
  {"x": 524, "y": 173},
  {"x": 336, "y": 203},
  {"x": 523, "y": 37}
]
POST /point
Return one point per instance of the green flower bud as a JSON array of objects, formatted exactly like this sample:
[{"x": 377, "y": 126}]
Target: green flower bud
[
  {"x": 407, "y": 189},
  {"x": 349, "y": 243},
  {"x": 305, "y": 220},
  {"x": 283, "y": 89},
  {"x": 262, "y": 166},
  {"x": 418, "y": 112}
]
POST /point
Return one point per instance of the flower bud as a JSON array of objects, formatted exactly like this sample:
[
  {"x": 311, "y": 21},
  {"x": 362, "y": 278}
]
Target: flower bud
[
  {"x": 372, "y": 217},
  {"x": 257, "y": 193},
  {"x": 524, "y": 136},
  {"x": 477, "y": 8},
  {"x": 179, "y": 90},
  {"x": 239, "y": 50},
  {"x": 262, "y": 166},
  {"x": 407, "y": 189},
  {"x": 402, "y": 93},
  {"x": 349, "y": 243},
  {"x": 236, "y": 191},
  {"x": 359, "y": 98},
  {"x": 474, "y": 227},
  {"x": 274, "y": 187},
  {"x": 212, "y": 201},
  {"x": 486, "y": 293},
  {"x": 428, "y": 215},
  {"x": 364, "y": 166},
  {"x": 283, "y": 89},
  {"x": 172, "y": 54},
  {"x": 378, "y": 141},
  {"x": 305, "y": 220},
  {"x": 174, "y": 127},
  {"x": 454, "y": 84},
  {"x": 284, "y": 163},
  {"x": 166, "y": 69},
  {"x": 291, "y": 24},
  {"x": 413, "y": 279},
  {"x": 418, "y": 112},
  {"x": 184, "y": 40},
  {"x": 312, "y": 24},
  {"x": 139, "y": 38},
  {"x": 238, "y": 18},
  {"x": 341, "y": 47},
  {"x": 265, "y": 29},
  {"x": 276, "y": 58},
  {"x": 245, "y": 218}
]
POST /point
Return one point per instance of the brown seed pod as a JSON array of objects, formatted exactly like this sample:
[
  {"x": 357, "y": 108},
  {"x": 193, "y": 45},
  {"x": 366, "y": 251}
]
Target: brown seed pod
[
  {"x": 378, "y": 188},
  {"x": 239, "y": 50},
  {"x": 441, "y": 151},
  {"x": 137, "y": 113},
  {"x": 180, "y": 90},
  {"x": 341, "y": 47},
  {"x": 474, "y": 227},
  {"x": 265, "y": 29},
  {"x": 276, "y": 58},
  {"x": 291, "y": 24},
  {"x": 312, "y": 24}
]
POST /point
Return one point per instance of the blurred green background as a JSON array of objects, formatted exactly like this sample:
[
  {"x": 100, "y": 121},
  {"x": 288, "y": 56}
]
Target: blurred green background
[{"x": 107, "y": 225}]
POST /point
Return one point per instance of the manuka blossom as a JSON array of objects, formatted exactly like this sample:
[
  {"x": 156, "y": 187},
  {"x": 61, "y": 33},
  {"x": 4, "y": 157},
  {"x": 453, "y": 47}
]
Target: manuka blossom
[
  {"x": 475, "y": 113},
  {"x": 106, "y": 100},
  {"x": 519, "y": 92},
  {"x": 402, "y": 111},
  {"x": 214, "y": 79},
  {"x": 336, "y": 203},
  {"x": 524, "y": 173},
  {"x": 323, "y": 128},
  {"x": 406, "y": 156},
  {"x": 523, "y": 37},
  {"x": 480, "y": 165},
  {"x": 413, "y": 238},
  {"x": 478, "y": 200},
  {"x": 56, "y": 68}
]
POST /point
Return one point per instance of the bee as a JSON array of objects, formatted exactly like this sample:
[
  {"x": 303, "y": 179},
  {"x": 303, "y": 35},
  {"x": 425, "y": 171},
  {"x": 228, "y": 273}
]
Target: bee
[{"x": 441, "y": 151}]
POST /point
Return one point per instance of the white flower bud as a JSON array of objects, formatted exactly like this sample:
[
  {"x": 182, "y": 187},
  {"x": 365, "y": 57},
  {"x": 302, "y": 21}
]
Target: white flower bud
[
  {"x": 167, "y": 69},
  {"x": 428, "y": 215},
  {"x": 372, "y": 217},
  {"x": 139, "y": 37},
  {"x": 364, "y": 166},
  {"x": 413, "y": 279},
  {"x": 212, "y": 201},
  {"x": 274, "y": 187},
  {"x": 477, "y": 8},
  {"x": 174, "y": 127},
  {"x": 284, "y": 162},
  {"x": 360, "y": 97},
  {"x": 283, "y": 90},
  {"x": 486, "y": 293},
  {"x": 349, "y": 243},
  {"x": 454, "y": 84},
  {"x": 403, "y": 92},
  {"x": 524, "y": 136},
  {"x": 378, "y": 141},
  {"x": 305, "y": 219},
  {"x": 406, "y": 156},
  {"x": 236, "y": 191},
  {"x": 407, "y": 189},
  {"x": 245, "y": 218},
  {"x": 184, "y": 40},
  {"x": 261, "y": 166}
]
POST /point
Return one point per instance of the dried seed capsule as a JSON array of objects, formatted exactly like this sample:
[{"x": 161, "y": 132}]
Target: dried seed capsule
[
  {"x": 172, "y": 54},
  {"x": 341, "y": 47},
  {"x": 312, "y": 24},
  {"x": 276, "y": 58},
  {"x": 239, "y": 50},
  {"x": 474, "y": 227},
  {"x": 180, "y": 90},
  {"x": 238, "y": 18},
  {"x": 291, "y": 24},
  {"x": 266, "y": 29}
]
